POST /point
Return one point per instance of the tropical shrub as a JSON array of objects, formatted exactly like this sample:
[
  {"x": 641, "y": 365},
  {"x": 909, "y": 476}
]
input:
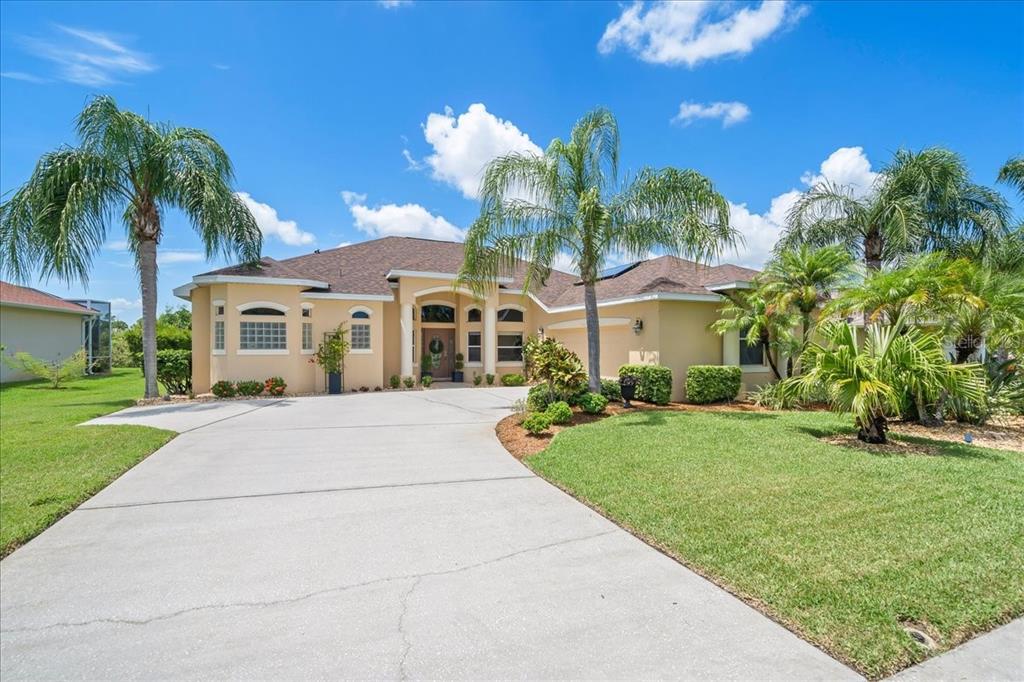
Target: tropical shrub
[
  {"x": 712, "y": 383},
  {"x": 477, "y": 379},
  {"x": 593, "y": 403},
  {"x": 559, "y": 412},
  {"x": 395, "y": 381},
  {"x": 490, "y": 379},
  {"x": 512, "y": 380},
  {"x": 57, "y": 372},
  {"x": 654, "y": 382},
  {"x": 223, "y": 389},
  {"x": 539, "y": 397},
  {"x": 408, "y": 382},
  {"x": 249, "y": 388},
  {"x": 274, "y": 386},
  {"x": 537, "y": 423},
  {"x": 554, "y": 364},
  {"x": 875, "y": 379},
  {"x": 772, "y": 396},
  {"x": 611, "y": 390},
  {"x": 426, "y": 380}
]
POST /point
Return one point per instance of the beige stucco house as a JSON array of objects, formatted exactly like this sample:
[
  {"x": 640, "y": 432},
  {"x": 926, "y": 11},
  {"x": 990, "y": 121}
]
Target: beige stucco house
[{"x": 396, "y": 295}]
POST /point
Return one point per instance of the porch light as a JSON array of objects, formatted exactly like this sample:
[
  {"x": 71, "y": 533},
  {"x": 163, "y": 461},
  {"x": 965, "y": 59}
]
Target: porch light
[
  {"x": 540, "y": 332},
  {"x": 638, "y": 326}
]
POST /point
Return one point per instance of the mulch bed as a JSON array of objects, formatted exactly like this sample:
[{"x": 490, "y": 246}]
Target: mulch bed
[{"x": 1002, "y": 433}]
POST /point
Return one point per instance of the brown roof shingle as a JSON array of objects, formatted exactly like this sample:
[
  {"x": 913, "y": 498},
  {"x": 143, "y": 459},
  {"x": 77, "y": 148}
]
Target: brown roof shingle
[{"x": 12, "y": 294}]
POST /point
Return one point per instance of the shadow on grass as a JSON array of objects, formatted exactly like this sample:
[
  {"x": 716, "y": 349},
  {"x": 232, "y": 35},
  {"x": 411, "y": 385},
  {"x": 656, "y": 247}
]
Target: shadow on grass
[
  {"x": 940, "y": 448},
  {"x": 647, "y": 418}
]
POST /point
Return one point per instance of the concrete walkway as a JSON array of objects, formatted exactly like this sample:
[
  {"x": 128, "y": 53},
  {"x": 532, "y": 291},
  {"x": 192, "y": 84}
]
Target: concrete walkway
[
  {"x": 363, "y": 536},
  {"x": 996, "y": 656}
]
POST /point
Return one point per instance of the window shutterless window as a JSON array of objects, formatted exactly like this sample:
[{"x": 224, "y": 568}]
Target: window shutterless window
[
  {"x": 263, "y": 311},
  {"x": 307, "y": 312},
  {"x": 750, "y": 355},
  {"x": 360, "y": 337},
  {"x": 510, "y": 315},
  {"x": 307, "y": 335},
  {"x": 437, "y": 313},
  {"x": 473, "y": 347},
  {"x": 473, "y": 315},
  {"x": 262, "y": 336},
  {"x": 218, "y": 335},
  {"x": 219, "y": 310},
  {"x": 510, "y": 347}
]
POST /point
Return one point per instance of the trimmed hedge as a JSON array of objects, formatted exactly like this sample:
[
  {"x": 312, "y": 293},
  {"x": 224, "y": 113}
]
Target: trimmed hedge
[
  {"x": 174, "y": 370},
  {"x": 611, "y": 390},
  {"x": 537, "y": 423},
  {"x": 249, "y": 387},
  {"x": 512, "y": 379},
  {"x": 559, "y": 412},
  {"x": 223, "y": 389},
  {"x": 593, "y": 403},
  {"x": 712, "y": 383},
  {"x": 653, "y": 382}
]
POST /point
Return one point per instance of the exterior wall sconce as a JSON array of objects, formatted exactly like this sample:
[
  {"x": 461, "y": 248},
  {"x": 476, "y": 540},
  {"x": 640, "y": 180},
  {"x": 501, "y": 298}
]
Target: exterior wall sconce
[
  {"x": 638, "y": 326},
  {"x": 540, "y": 332}
]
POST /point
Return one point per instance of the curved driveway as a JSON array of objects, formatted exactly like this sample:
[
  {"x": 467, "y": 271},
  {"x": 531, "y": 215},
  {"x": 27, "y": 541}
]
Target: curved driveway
[{"x": 362, "y": 536}]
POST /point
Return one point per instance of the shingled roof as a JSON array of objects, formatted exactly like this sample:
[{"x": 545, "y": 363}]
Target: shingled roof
[
  {"x": 27, "y": 297},
  {"x": 363, "y": 268}
]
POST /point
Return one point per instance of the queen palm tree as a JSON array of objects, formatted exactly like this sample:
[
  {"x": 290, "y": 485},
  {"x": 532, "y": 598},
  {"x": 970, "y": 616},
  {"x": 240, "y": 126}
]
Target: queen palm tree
[
  {"x": 765, "y": 323},
  {"x": 921, "y": 201},
  {"x": 570, "y": 202},
  {"x": 129, "y": 168},
  {"x": 1012, "y": 173}
]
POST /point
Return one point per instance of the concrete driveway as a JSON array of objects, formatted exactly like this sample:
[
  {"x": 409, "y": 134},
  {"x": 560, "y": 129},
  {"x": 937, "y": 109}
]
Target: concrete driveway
[{"x": 363, "y": 536}]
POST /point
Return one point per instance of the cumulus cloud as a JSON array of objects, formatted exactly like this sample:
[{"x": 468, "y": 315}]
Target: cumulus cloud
[
  {"x": 272, "y": 226},
  {"x": 688, "y": 33},
  {"x": 87, "y": 57},
  {"x": 463, "y": 145},
  {"x": 177, "y": 256},
  {"x": 845, "y": 166},
  {"x": 123, "y": 306},
  {"x": 731, "y": 113},
  {"x": 405, "y": 220}
]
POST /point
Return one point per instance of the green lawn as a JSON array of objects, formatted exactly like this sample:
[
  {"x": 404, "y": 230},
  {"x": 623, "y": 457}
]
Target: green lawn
[
  {"x": 839, "y": 544},
  {"x": 48, "y": 465}
]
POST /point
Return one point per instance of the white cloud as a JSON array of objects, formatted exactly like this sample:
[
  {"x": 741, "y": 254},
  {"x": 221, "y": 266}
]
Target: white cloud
[
  {"x": 122, "y": 306},
  {"x": 845, "y": 166},
  {"x": 116, "y": 245},
  {"x": 86, "y": 57},
  {"x": 342, "y": 244},
  {"x": 406, "y": 220},
  {"x": 173, "y": 256},
  {"x": 393, "y": 4},
  {"x": 221, "y": 67},
  {"x": 272, "y": 226},
  {"x": 691, "y": 32},
  {"x": 22, "y": 76},
  {"x": 731, "y": 113},
  {"x": 463, "y": 146}
]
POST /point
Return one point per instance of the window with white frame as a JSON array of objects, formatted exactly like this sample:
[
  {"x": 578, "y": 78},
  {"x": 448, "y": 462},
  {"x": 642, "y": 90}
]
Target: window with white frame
[
  {"x": 473, "y": 347},
  {"x": 473, "y": 315},
  {"x": 510, "y": 347},
  {"x": 262, "y": 336},
  {"x": 360, "y": 331},
  {"x": 218, "y": 310},
  {"x": 510, "y": 315},
  {"x": 307, "y": 336},
  {"x": 307, "y": 312},
  {"x": 218, "y": 335},
  {"x": 750, "y": 354}
]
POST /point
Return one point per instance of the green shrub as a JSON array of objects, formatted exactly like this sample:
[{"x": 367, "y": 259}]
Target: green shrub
[
  {"x": 408, "y": 382},
  {"x": 593, "y": 403},
  {"x": 121, "y": 355},
  {"x": 168, "y": 337},
  {"x": 653, "y": 382},
  {"x": 57, "y": 372},
  {"x": 512, "y": 380},
  {"x": 426, "y": 380},
  {"x": 537, "y": 423},
  {"x": 560, "y": 412},
  {"x": 174, "y": 370},
  {"x": 274, "y": 386},
  {"x": 490, "y": 379},
  {"x": 477, "y": 379},
  {"x": 249, "y": 388},
  {"x": 223, "y": 389},
  {"x": 773, "y": 397},
  {"x": 549, "y": 361},
  {"x": 395, "y": 381},
  {"x": 611, "y": 390},
  {"x": 539, "y": 397},
  {"x": 712, "y": 383}
]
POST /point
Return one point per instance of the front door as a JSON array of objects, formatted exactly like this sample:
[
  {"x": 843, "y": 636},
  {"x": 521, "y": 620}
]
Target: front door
[{"x": 440, "y": 344}]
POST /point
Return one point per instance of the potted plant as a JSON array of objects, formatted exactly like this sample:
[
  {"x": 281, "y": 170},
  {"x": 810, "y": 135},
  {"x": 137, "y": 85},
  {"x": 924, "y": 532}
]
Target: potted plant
[
  {"x": 459, "y": 364},
  {"x": 331, "y": 356},
  {"x": 426, "y": 364},
  {"x": 627, "y": 384}
]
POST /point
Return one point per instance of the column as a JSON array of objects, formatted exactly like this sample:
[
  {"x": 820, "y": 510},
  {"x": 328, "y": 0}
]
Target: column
[
  {"x": 490, "y": 334},
  {"x": 407, "y": 329}
]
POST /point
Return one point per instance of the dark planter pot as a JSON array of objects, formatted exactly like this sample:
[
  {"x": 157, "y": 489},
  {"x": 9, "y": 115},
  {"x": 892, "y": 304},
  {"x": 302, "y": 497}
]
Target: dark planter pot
[
  {"x": 458, "y": 376},
  {"x": 628, "y": 389},
  {"x": 334, "y": 383}
]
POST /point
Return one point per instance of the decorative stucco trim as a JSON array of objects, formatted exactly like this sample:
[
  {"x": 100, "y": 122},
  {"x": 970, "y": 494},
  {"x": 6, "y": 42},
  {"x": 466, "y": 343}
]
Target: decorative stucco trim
[
  {"x": 508, "y": 363},
  {"x": 346, "y": 297},
  {"x": 513, "y": 306},
  {"x": 218, "y": 301},
  {"x": 307, "y": 305},
  {"x": 581, "y": 323},
  {"x": 360, "y": 309},
  {"x": 262, "y": 304},
  {"x": 755, "y": 369},
  {"x": 361, "y": 351},
  {"x": 266, "y": 351},
  {"x": 218, "y": 351},
  {"x": 441, "y": 290}
]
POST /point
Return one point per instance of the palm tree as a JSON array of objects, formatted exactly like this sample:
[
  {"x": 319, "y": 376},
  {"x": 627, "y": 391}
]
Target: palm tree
[
  {"x": 129, "y": 168},
  {"x": 803, "y": 279},
  {"x": 1012, "y": 173},
  {"x": 764, "y": 323},
  {"x": 920, "y": 202},
  {"x": 569, "y": 201},
  {"x": 874, "y": 380}
]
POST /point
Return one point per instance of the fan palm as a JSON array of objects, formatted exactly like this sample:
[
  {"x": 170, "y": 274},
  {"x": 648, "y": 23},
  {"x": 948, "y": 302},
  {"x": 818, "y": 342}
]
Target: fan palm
[
  {"x": 874, "y": 380},
  {"x": 129, "y": 168},
  {"x": 569, "y": 202},
  {"x": 920, "y": 202},
  {"x": 764, "y": 323}
]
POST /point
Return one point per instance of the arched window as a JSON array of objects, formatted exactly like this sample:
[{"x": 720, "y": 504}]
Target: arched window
[
  {"x": 360, "y": 315},
  {"x": 262, "y": 311},
  {"x": 473, "y": 315},
  {"x": 510, "y": 315},
  {"x": 437, "y": 313}
]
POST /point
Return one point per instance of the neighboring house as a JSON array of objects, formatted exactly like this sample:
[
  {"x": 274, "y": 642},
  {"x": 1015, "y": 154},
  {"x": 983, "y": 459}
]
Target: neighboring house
[
  {"x": 48, "y": 327},
  {"x": 396, "y": 295}
]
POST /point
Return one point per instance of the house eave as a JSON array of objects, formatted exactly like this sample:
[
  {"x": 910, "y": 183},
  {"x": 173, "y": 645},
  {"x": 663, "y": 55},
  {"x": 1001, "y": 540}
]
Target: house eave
[{"x": 47, "y": 308}]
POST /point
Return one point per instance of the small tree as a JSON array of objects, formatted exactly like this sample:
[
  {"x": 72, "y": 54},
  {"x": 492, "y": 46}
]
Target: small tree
[
  {"x": 330, "y": 355},
  {"x": 57, "y": 372},
  {"x": 554, "y": 364},
  {"x": 771, "y": 325}
]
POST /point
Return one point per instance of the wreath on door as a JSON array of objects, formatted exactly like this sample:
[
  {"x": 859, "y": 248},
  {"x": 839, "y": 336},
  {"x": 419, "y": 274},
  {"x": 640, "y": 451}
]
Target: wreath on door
[{"x": 436, "y": 347}]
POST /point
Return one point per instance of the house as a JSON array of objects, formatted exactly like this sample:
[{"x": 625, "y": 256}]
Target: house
[
  {"x": 47, "y": 326},
  {"x": 397, "y": 297}
]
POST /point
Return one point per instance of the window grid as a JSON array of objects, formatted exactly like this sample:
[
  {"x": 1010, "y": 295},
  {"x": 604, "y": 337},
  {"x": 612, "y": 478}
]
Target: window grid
[
  {"x": 307, "y": 336},
  {"x": 510, "y": 347},
  {"x": 218, "y": 335},
  {"x": 360, "y": 337},
  {"x": 262, "y": 336},
  {"x": 473, "y": 347}
]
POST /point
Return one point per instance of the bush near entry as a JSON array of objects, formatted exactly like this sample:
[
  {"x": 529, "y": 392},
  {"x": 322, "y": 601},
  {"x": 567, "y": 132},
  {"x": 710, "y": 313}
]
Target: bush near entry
[
  {"x": 653, "y": 382},
  {"x": 712, "y": 383},
  {"x": 593, "y": 403},
  {"x": 395, "y": 381},
  {"x": 611, "y": 390},
  {"x": 537, "y": 423},
  {"x": 250, "y": 387},
  {"x": 274, "y": 386},
  {"x": 559, "y": 412},
  {"x": 174, "y": 370},
  {"x": 223, "y": 389},
  {"x": 512, "y": 380}
]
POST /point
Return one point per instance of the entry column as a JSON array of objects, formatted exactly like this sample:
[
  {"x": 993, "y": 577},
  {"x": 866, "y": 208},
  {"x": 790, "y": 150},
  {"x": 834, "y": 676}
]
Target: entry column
[
  {"x": 490, "y": 334},
  {"x": 406, "y": 346}
]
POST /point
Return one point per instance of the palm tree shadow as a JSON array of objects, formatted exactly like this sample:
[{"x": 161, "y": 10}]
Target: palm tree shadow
[{"x": 935, "y": 448}]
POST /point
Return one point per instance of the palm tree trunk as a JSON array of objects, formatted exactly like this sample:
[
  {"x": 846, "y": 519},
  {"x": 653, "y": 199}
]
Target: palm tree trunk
[
  {"x": 873, "y": 250},
  {"x": 593, "y": 337},
  {"x": 873, "y": 431},
  {"x": 147, "y": 275},
  {"x": 766, "y": 340}
]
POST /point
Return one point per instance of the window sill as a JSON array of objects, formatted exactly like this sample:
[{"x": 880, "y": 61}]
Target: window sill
[
  {"x": 262, "y": 351},
  {"x": 361, "y": 351},
  {"x": 307, "y": 351},
  {"x": 754, "y": 369},
  {"x": 474, "y": 364},
  {"x": 218, "y": 352},
  {"x": 510, "y": 363}
]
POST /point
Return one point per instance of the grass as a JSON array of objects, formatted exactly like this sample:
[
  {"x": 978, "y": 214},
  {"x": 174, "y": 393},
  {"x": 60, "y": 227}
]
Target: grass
[
  {"x": 839, "y": 544},
  {"x": 48, "y": 465}
]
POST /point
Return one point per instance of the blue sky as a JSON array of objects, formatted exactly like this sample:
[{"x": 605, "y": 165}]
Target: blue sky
[{"x": 349, "y": 121}]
